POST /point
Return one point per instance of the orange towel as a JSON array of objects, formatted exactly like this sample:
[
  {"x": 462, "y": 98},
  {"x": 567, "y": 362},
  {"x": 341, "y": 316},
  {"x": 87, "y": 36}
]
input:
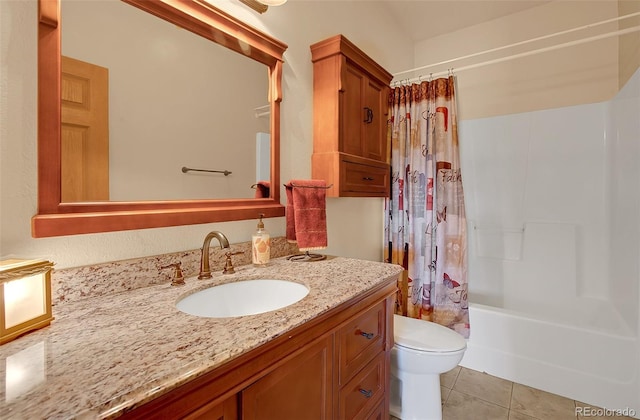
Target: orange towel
[
  {"x": 306, "y": 213},
  {"x": 262, "y": 189}
]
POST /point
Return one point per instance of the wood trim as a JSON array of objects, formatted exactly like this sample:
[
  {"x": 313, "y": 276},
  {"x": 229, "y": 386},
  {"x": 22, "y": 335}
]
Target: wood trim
[
  {"x": 49, "y": 108},
  {"x": 55, "y": 218},
  {"x": 49, "y": 12},
  {"x": 198, "y": 16},
  {"x": 338, "y": 44},
  {"x": 275, "y": 75},
  {"x": 59, "y": 224}
]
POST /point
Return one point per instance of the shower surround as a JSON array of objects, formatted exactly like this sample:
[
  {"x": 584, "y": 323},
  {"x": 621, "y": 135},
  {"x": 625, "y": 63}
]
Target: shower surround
[{"x": 553, "y": 203}]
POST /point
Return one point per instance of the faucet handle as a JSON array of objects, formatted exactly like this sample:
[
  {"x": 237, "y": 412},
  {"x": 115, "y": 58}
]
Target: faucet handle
[
  {"x": 228, "y": 265},
  {"x": 178, "y": 278}
]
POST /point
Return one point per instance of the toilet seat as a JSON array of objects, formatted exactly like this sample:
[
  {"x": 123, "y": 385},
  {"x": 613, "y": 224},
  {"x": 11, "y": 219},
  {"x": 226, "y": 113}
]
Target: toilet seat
[{"x": 426, "y": 336}]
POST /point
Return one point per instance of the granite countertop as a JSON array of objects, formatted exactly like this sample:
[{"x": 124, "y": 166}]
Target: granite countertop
[{"x": 105, "y": 354}]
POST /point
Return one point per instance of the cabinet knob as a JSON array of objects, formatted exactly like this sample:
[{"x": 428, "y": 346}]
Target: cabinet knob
[
  {"x": 367, "y": 178},
  {"x": 366, "y": 335},
  {"x": 366, "y": 393},
  {"x": 368, "y": 115}
]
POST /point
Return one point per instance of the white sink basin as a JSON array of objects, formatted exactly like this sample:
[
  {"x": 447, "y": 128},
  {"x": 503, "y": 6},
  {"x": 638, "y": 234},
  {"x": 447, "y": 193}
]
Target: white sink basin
[{"x": 248, "y": 297}]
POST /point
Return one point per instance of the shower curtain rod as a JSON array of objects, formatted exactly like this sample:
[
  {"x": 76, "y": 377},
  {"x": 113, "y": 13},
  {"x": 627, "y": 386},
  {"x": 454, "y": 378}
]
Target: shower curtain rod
[
  {"x": 540, "y": 38},
  {"x": 524, "y": 54}
]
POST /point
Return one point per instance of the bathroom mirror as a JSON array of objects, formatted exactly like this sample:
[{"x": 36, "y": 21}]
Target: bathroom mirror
[
  {"x": 58, "y": 217},
  {"x": 213, "y": 114}
]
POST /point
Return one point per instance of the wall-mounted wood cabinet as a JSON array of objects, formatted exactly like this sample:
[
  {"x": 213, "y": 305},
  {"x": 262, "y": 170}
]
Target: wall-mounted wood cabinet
[{"x": 350, "y": 111}]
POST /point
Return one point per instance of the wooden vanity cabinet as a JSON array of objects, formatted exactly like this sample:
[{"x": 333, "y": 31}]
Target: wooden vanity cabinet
[
  {"x": 335, "y": 366},
  {"x": 350, "y": 110}
]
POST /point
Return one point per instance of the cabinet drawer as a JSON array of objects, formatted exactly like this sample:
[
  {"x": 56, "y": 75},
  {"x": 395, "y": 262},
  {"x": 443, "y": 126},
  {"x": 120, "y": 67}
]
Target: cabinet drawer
[
  {"x": 364, "y": 391},
  {"x": 360, "y": 340},
  {"x": 378, "y": 413},
  {"x": 361, "y": 178}
]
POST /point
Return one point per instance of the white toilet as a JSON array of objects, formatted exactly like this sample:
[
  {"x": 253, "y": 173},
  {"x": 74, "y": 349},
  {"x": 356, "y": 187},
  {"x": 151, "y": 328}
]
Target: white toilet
[{"x": 422, "y": 351}]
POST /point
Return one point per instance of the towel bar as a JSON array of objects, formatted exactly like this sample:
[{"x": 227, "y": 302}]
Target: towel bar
[{"x": 185, "y": 170}]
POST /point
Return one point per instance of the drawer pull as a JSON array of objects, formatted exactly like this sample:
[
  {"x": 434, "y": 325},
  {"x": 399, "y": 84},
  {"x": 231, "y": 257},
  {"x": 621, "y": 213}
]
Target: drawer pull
[
  {"x": 367, "y": 178},
  {"x": 366, "y": 335},
  {"x": 366, "y": 393},
  {"x": 368, "y": 115}
]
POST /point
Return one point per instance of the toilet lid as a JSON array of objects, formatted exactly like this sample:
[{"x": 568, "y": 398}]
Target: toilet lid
[{"x": 426, "y": 336}]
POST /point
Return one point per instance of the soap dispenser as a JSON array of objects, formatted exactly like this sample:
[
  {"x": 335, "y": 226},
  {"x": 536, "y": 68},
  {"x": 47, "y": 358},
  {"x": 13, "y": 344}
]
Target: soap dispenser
[{"x": 260, "y": 245}]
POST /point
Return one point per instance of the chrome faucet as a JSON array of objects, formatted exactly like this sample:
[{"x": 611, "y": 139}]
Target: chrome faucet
[{"x": 205, "y": 271}]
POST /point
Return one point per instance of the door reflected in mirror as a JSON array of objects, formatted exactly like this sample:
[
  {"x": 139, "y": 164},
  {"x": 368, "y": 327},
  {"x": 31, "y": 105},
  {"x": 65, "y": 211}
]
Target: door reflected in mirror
[{"x": 143, "y": 98}]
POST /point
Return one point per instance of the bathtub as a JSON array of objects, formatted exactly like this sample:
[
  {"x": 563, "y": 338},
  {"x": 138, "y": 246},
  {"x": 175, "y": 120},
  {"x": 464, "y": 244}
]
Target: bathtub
[
  {"x": 553, "y": 214},
  {"x": 590, "y": 362}
]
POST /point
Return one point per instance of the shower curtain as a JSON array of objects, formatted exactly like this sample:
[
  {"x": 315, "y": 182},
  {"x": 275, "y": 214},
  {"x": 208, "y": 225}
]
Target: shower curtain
[{"x": 425, "y": 223}]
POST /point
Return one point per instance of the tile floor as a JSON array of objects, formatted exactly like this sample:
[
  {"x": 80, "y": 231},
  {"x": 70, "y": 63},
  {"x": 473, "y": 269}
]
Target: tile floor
[{"x": 471, "y": 395}]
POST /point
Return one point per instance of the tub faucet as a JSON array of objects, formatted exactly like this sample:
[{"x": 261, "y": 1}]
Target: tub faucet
[{"x": 205, "y": 271}]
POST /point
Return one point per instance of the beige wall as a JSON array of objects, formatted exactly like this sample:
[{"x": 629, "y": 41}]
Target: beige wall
[
  {"x": 629, "y": 53},
  {"x": 192, "y": 126},
  {"x": 576, "y": 75},
  {"x": 355, "y": 225}
]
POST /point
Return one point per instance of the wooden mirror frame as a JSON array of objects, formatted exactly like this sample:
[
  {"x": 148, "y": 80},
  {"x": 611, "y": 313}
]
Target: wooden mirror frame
[{"x": 55, "y": 218}]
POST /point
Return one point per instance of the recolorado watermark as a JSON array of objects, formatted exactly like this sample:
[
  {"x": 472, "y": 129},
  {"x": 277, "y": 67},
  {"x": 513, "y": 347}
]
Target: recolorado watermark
[{"x": 605, "y": 412}]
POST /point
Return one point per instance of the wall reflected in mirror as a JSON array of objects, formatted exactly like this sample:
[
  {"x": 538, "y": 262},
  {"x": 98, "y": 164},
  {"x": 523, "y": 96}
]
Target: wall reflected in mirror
[{"x": 173, "y": 99}]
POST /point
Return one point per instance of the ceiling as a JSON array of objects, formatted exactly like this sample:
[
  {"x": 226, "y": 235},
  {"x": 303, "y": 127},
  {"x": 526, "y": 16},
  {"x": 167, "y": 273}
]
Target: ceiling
[{"x": 452, "y": 15}]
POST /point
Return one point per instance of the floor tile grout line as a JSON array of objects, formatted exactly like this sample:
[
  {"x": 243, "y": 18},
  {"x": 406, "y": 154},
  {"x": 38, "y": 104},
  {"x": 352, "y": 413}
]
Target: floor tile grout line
[
  {"x": 457, "y": 375},
  {"x": 480, "y": 398},
  {"x": 453, "y": 385},
  {"x": 510, "y": 396},
  {"x": 510, "y": 409}
]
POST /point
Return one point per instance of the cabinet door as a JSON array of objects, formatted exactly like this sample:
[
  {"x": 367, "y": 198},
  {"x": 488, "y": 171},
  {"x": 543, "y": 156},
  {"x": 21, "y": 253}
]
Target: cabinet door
[
  {"x": 353, "y": 112},
  {"x": 227, "y": 410},
  {"x": 364, "y": 116},
  {"x": 300, "y": 389},
  {"x": 374, "y": 145}
]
